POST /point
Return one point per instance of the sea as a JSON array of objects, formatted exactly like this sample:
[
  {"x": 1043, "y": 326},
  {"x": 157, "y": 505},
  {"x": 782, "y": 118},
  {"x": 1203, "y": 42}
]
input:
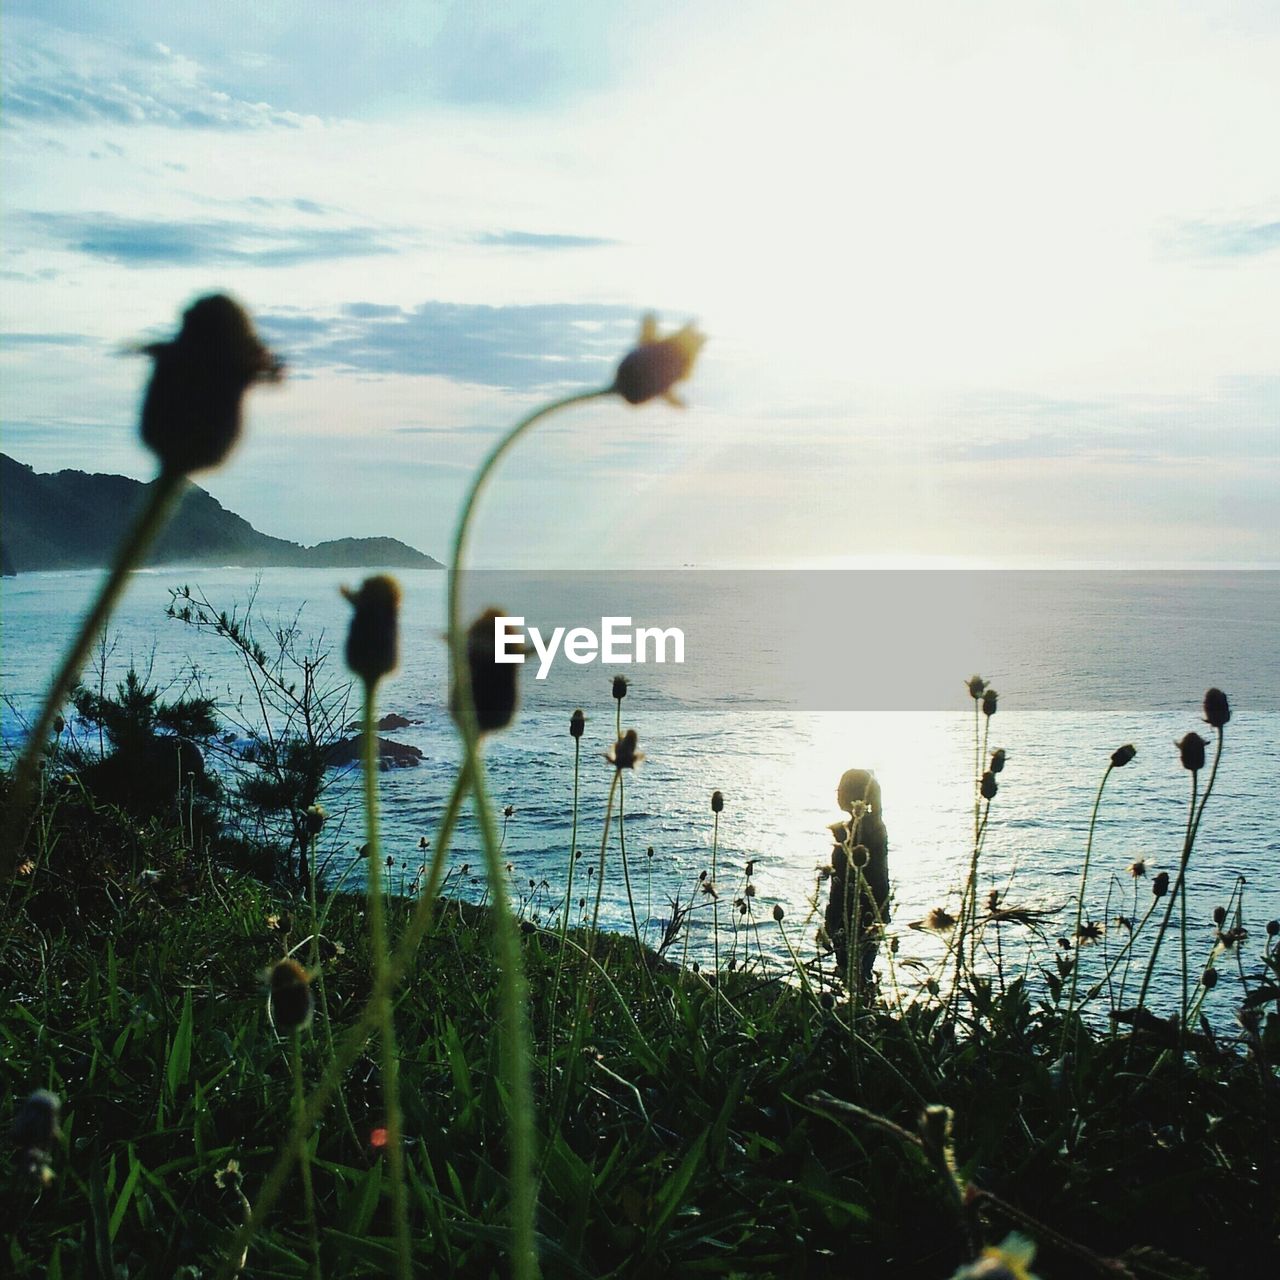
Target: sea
[{"x": 788, "y": 679}]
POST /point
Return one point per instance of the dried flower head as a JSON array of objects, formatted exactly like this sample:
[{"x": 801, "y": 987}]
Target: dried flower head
[
  {"x": 192, "y": 410},
  {"x": 778, "y": 912},
  {"x": 372, "y": 641},
  {"x": 939, "y": 920},
  {"x": 998, "y": 757},
  {"x": 1273, "y": 928},
  {"x": 989, "y": 699},
  {"x": 717, "y": 802},
  {"x": 619, "y": 687},
  {"x": 1160, "y": 885},
  {"x": 977, "y": 686},
  {"x": 494, "y": 691},
  {"x": 314, "y": 819},
  {"x": 1089, "y": 933},
  {"x": 1122, "y": 755},
  {"x": 1191, "y": 751},
  {"x": 577, "y": 723},
  {"x": 1219, "y": 915},
  {"x": 1217, "y": 710},
  {"x": 290, "y": 1001},
  {"x": 655, "y": 366},
  {"x": 623, "y": 753},
  {"x": 989, "y": 787},
  {"x": 1209, "y": 979},
  {"x": 1136, "y": 869}
]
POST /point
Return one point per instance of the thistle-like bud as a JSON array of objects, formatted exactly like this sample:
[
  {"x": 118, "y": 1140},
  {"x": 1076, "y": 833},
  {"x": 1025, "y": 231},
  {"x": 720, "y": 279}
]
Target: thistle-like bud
[
  {"x": 619, "y": 687},
  {"x": 192, "y": 410},
  {"x": 997, "y": 760},
  {"x": 1217, "y": 710},
  {"x": 494, "y": 690},
  {"x": 58, "y": 725},
  {"x": 977, "y": 686},
  {"x": 290, "y": 1000},
  {"x": 623, "y": 753},
  {"x": 1160, "y": 885},
  {"x": 1122, "y": 755},
  {"x": 1273, "y": 928},
  {"x": 1219, "y": 916},
  {"x": 314, "y": 819},
  {"x": 778, "y": 912},
  {"x": 717, "y": 802},
  {"x": 654, "y": 366},
  {"x": 989, "y": 699},
  {"x": 373, "y": 641},
  {"x": 577, "y": 723},
  {"x": 1191, "y": 751},
  {"x": 988, "y": 787},
  {"x": 1209, "y": 979}
]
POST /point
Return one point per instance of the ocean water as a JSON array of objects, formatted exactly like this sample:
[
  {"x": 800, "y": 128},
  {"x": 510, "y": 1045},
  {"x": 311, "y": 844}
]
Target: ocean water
[{"x": 789, "y": 680}]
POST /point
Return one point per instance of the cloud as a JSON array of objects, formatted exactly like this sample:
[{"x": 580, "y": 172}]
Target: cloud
[
  {"x": 538, "y": 240},
  {"x": 141, "y": 242},
  {"x": 55, "y": 77},
  {"x": 47, "y": 340},
  {"x": 1226, "y": 239},
  {"x": 512, "y": 347}
]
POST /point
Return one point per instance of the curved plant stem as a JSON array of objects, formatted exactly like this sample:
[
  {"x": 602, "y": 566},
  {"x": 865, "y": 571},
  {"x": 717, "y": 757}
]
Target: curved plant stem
[
  {"x": 390, "y": 1061},
  {"x": 515, "y": 1040},
  {"x": 162, "y": 497},
  {"x": 308, "y": 1191},
  {"x": 1084, "y": 879}
]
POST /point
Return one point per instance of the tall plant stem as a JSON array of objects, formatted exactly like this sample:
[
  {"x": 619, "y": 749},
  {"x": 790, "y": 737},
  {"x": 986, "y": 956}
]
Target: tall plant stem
[
  {"x": 383, "y": 1008},
  {"x": 515, "y": 1040},
  {"x": 1084, "y": 880},
  {"x": 354, "y": 1041},
  {"x": 308, "y": 1190},
  {"x": 162, "y": 497},
  {"x": 568, "y": 902}
]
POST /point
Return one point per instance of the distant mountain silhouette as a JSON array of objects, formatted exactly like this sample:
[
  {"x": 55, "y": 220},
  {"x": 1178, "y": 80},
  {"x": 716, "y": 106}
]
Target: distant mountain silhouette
[{"x": 74, "y": 520}]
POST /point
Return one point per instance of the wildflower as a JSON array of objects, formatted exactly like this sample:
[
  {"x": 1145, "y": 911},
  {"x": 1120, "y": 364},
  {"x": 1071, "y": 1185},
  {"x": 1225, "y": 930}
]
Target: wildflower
[
  {"x": 778, "y": 912},
  {"x": 717, "y": 802},
  {"x": 1160, "y": 885},
  {"x": 1089, "y": 933},
  {"x": 648, "y": 853},
  {"x": 423, "y": 842},
  {"x": 1273, "y": 928},
  {"x": 372, "y": 642},
  {"x": 228, "y": 1175},
  {"x": 750, "y": 891},
  {"x": 1219, "y": 915},
  {"x": 1217, "y": 711},
  {"x": 939, "y": 920},
  {"x": 1137, "y": 868},
  {"x": 988, "y": 786},
  {"x": 654, "y": 367},
  {"x": 977, "y": 687},
  {"x": 623, "y": 753},
  {"x": 619, "y": 687},
  {"x": 1122, "y": 755},
  {"x": 290, "y": 1002},
  {"x": 989, "y": 699},
  {"x": 378, "y": 1138},
  {"x": 273, "y": 921},
  {"x": 314, "y": 819},
  {"x": 191, "y": 411},
  {"x": 493, "y": 683},
  {"x": 1191, "y": 751},
  {"x": 1010, "y": 1260},
  {"x": 997, "y": 760},
  {"x": 577, "y": 723},
  {"x": 1209, "y": 979},
  {"x": 509, "y": 811}
]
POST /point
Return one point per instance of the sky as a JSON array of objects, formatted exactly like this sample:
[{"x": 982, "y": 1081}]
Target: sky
[{"x": 984, "y": 284}]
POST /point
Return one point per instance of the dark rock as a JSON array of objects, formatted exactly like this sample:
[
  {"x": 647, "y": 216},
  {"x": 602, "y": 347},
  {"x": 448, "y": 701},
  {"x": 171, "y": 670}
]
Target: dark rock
[{"x": 391, "y": 755}]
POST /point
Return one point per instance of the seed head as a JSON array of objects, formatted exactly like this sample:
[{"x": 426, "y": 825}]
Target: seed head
[
  {"x": 1160, "y": 885},
  {"x": 1273, "y": 928},
  {"x": 623, "y": 753},
  {"x": 977, "y": 686},
  {"x": 619, "y": 687},
  {"x": 494, "y": 690},
  {"x": 1219, "y": 915},
  {"x": 939, "y": 920},
  {"x": 989, "y": 699},
  {"x": 1137, "y": 868},
  {"x": 1122, "y": 755},
  {"x": 290, "y": 1000},
  {"x": 1209, "y": 979},
  {"x": 1217, "y": 710},
  {"x": 577, "y": 723},
  {"x": 778, "y": 912},
  {"x": 314, "y": 819},
  {"x": 989, "y": 787},
  {"x": 1191, "y": 751},
  {"x": 717, "y": 802},
  {"x": 372, "y": 641},
  {"x": 654, "y": 366},
  {"x": 192, "y": 410},
  {"x": 997, "y": 760}
]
